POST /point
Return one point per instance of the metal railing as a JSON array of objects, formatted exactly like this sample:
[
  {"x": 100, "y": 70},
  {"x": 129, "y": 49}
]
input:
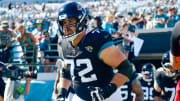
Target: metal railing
[{"x": 18, "y": 57}]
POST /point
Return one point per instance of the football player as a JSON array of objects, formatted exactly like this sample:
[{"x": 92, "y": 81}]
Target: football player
[
  {"x": 175, "y": 55},
  {"x": 146, "y": 79},
  {"x": 92, "y": 57},
  {"x": 132, "y": 90},
  {"x": 165, "y": 81}
]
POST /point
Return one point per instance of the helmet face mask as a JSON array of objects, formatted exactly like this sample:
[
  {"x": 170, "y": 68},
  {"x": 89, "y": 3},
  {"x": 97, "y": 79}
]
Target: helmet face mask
[
  {"x": 147, "y": 76},
  {"x": 69, "y": 27},
  {"x": 148, "y": 72},
  {"x": 165, "y": 62},
  {"x": 72, "y": 10}
]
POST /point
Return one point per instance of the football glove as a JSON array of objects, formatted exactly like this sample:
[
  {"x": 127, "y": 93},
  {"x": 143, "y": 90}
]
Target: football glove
[
  {"x": 62, "y": 95},
  {"x": 101, "y": 93}
]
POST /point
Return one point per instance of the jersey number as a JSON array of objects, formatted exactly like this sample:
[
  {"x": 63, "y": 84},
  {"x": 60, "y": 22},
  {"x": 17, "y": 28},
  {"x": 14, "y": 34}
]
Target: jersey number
[
  {"x": 83, "y": 72},
  {"x": 170, "y": 90},
  {"x": 124, "y": 92},
  {"x": 148, "y": 93}
]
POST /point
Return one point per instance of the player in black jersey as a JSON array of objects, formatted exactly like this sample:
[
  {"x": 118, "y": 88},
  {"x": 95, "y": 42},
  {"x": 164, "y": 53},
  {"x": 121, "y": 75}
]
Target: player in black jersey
[
  {"x": 165, "y": 81},
  {"x": 132, "y": 90},
  {"x": 90, "y": 58},
  {"x": 146, "y": 79}
]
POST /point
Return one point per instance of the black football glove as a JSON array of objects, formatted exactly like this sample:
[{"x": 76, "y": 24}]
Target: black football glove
[
  {"x": 62, "y": 95},
  {"x": 101, "y": 93}
]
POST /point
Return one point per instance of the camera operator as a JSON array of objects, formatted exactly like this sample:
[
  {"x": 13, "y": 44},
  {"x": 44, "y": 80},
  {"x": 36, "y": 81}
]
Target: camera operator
[
  {"x": 14, "y": 90},
  {"x": 7, "y": 37}
]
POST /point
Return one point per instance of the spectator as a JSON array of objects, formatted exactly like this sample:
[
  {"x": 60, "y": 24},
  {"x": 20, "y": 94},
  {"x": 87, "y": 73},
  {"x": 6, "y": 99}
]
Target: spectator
[
  {"x": 129, "y": 47},
  {"x": 148, "y": 8},
  {"x": 127, "y": 40},
  {"x": 27, "y": 21},
  {"x": 45, "y": 48},
  {"x": 30, "y": 24},
  {"x": 27, "y": 42},
  {"x": 149, "y": 24},
  {"x": 46, "y": 23},
  {"x": 129, "y": 16},
  {"x": 97, "y": 22},
  {"x": 38, "y": 31},
  {"x": 16, "y": 56},
  {"x": 171, "y": 18},
  {"x": 141, "y": 22},
  {"x": 133, "y": 25},
  {"x": 30, "y": 27},
  {"x": 160, "y": 19},
  {"x": 118, "y": 21},
  {"x": 107, "y": 25}
]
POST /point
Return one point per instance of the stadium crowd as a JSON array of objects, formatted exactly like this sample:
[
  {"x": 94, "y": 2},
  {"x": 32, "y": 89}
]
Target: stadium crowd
[{"x": 35, "y": 35}]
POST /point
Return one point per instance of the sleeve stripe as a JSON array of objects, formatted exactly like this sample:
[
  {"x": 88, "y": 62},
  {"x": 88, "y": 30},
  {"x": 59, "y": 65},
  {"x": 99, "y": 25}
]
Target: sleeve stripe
[{"x": 107, "y": 44}]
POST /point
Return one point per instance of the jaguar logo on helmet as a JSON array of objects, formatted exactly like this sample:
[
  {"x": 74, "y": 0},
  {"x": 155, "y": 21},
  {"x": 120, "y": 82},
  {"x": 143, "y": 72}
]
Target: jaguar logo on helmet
[{"x": 64, "y": 16}]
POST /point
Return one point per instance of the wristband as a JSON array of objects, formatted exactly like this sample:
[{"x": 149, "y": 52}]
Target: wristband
[
  {"x": 108, "y": 90},
  {"x": 63, "y": 92}
]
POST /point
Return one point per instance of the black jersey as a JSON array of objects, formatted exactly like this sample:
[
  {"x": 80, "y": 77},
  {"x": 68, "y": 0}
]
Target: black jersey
[
  {"x": 85, "y": 66},
  {"x": 167, "y": 84},
  {"x": 126, "y": 89},
  {"x": 147, "y": 88}
]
